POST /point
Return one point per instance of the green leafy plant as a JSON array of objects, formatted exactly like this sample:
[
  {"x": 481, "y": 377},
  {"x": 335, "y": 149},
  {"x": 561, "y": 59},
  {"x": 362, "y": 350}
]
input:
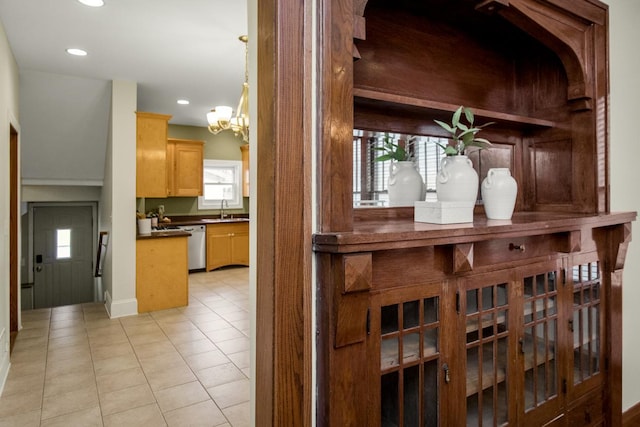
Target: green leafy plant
[
  {"x": 393, "y": 151},
  {"x": 463, "y": 135}
]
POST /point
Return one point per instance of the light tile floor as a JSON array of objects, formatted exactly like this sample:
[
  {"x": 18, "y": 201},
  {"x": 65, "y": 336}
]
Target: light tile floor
[{"x": 188, "y": 366}]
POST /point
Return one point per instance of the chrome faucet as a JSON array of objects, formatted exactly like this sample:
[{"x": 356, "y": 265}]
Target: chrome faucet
[{"x": 222, "y": 203}]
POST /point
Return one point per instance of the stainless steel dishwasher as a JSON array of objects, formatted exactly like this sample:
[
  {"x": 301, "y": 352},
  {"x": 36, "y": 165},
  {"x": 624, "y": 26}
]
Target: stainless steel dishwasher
[{"x": 197, "y": 246}]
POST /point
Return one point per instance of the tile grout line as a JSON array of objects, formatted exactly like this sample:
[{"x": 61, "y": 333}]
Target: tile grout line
[{"x": 77, "y": 323}]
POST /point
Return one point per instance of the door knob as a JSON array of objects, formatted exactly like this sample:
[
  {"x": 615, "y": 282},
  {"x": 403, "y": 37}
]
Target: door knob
[{"x": 39, "y": 269}]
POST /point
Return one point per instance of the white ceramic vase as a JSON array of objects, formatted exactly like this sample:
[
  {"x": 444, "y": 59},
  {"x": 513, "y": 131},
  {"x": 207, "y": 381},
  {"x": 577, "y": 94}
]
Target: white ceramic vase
[
  {"x": 405, "y": 184},
  {"x": 499, "y": 191},
  {"x": 457, "y": 180}
]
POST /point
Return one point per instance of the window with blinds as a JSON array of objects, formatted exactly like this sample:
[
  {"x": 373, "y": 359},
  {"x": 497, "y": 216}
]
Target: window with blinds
[{"x": 370, "y": 176}]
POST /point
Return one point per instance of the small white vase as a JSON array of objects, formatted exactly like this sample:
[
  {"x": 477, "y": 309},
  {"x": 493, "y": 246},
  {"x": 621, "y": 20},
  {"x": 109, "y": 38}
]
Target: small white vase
[
  {"x": 405, "y": 184},
  {"x": 457, "y": 180},
  {"x": 499, "y": 191}
]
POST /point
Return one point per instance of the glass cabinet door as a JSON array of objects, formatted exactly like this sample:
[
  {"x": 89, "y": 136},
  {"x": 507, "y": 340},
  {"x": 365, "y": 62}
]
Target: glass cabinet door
[
  {"x": 539, "y": 345},
  {"x": 487, "y": 343},
  {"x": 585, "y": 321},
  {"x": 409, "y": 362}
]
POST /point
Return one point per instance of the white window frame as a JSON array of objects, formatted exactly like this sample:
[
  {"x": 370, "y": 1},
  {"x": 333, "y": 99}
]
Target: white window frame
[{"x": 234, "y": 202}]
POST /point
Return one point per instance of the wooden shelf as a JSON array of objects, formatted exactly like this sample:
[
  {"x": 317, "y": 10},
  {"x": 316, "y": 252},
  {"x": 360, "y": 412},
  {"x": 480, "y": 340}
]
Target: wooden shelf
[
  {"x": 540, "y": 349},
  {"x": 475, "y": 384},
  {"x": 374, "y": 98},
  {"x": 540, "y": 307},
  {"x": 411, "y": 352},
  {"x": 487, "y": 415}
]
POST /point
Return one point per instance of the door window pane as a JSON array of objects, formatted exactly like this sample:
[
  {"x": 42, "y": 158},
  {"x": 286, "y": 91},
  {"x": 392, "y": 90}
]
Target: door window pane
[{"x": 63, "y": 243}]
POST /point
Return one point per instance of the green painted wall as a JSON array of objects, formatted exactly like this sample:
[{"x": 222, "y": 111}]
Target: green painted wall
[{"x": 223, "y": 146}]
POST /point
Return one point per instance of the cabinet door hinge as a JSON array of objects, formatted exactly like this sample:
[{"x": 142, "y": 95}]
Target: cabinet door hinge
[
  {"x": 570, "y": 325},
  {"x": 368, "y": 321},
  {"x": 564, "y": 277},
  {"x": 458, "y": 302},
  {"x": 564, "y": 386}
]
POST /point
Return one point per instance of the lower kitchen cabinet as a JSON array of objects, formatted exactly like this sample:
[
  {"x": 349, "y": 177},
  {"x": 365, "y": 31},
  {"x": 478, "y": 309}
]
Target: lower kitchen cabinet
[
  {"x": 227, "y": 244},
  {"x": 492, "y": 331},
  {"x": 162, "y": 273}
]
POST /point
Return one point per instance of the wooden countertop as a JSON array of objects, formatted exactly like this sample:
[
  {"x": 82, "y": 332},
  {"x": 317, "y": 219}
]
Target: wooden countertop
[{"x": 404, "y": 232}]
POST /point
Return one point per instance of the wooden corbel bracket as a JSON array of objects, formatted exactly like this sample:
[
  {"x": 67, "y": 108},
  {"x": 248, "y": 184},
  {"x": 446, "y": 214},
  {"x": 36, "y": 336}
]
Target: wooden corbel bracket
[
  {"x": 570, "y": 36},
  {"x": 353, "y": 282},
  {"x": 359, "y": 24},
  {"x": 613, "y": 243}
]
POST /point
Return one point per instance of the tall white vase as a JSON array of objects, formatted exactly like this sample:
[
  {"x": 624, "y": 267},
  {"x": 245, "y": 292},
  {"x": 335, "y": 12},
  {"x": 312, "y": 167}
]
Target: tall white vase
[
  {"x": 499, "y": 191},
  {"x": 457, "y": 180},
  {"x": 405, "y": 184}
]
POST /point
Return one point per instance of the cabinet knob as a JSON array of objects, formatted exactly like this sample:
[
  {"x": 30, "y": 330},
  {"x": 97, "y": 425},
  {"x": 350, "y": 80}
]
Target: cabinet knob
[{"x": 513, "y": 247}]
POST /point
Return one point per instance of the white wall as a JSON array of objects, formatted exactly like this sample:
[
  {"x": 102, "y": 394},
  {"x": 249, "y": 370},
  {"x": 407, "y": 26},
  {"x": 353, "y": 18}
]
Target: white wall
[
  {"x": 69, "y": 145},
  {"x": 252, "y": 12},
  {"x": 60, "y": 193},
  {"x": 118, "y": 203},
  {"x": 625, "y": 174},
  {"x": 8, "y": 116}
]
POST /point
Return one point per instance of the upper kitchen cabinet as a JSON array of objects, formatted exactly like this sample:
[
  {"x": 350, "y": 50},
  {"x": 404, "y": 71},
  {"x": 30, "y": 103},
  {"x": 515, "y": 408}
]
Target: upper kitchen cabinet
[
  {"x": 185, "y": 162},
  {"x": 151, "y": 154}
]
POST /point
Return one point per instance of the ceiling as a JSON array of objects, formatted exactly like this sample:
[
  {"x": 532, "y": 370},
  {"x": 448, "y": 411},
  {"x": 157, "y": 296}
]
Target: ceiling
[{"x": 173, "y": 49}]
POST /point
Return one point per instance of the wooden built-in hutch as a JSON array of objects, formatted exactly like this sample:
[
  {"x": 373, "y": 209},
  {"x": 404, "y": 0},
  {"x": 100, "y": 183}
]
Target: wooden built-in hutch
[{"x": 489, "y": 323}]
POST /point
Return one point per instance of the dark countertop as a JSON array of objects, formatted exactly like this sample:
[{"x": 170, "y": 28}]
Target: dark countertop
[
  {"x": 160, "y": 234},
  {"x": 189, "y": 220},
  {"x": 204, "y": 220}
]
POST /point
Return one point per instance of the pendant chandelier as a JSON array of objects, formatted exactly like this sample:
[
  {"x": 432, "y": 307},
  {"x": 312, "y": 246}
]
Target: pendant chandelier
[{"x": 222, "y": 118}]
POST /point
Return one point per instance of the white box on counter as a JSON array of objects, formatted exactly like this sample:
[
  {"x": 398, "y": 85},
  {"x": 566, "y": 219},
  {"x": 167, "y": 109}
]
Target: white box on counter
[{"x": 443, "y": 212}]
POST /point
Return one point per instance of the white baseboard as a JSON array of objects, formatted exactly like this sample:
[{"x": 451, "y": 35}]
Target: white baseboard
[
  {"x": 5, "y": 361},
  {"x": 120, "y": 308}
]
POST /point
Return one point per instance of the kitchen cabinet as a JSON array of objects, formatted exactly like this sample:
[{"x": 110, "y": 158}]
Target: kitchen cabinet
[
  {"x": 245, "y": 170},
  {"x": 151, "y": 154},
  {"x": 185, "y": 163},
  {"x": 162, "y": 273},
  {"x": 227, "y": 244},
  {"x": 485, "y": 323}
]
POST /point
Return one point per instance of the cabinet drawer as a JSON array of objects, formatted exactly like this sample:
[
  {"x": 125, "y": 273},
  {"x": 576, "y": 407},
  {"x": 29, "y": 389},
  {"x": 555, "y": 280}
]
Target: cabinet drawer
[
  {"x": 587, "y": 412},
  {"x": 491, "y": 252},
  {"x": 228, "y": 228}
]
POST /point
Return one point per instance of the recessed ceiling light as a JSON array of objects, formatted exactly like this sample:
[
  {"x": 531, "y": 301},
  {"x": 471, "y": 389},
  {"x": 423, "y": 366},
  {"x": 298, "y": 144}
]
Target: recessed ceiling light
[
  {"x": 183, "y": 101},
  {"x": 76, "y": 52},
  {"x": 92, "y": 3}
]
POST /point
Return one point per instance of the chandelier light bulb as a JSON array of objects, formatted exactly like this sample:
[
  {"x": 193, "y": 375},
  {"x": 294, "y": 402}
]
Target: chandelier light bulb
[
  {"x": 222, "y": 118},
  {"x": 92, "y": 3},
  {"x": 76, "y": 52}
]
